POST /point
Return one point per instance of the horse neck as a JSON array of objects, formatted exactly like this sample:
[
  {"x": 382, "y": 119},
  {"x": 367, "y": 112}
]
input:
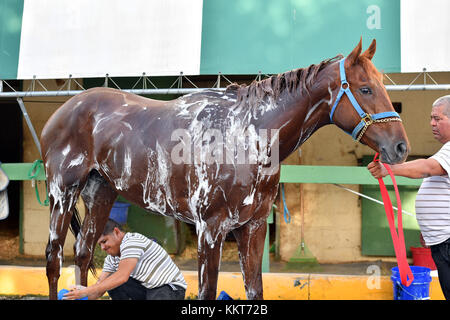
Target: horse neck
[{"x": 295, "y": 117}]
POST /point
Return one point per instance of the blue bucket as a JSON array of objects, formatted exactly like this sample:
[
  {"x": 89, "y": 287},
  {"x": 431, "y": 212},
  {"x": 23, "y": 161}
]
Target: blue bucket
[
  {"x": 419, "y": 289},
  {"x": 224, "y": 296},
  {"x": 119, "y": 212}
]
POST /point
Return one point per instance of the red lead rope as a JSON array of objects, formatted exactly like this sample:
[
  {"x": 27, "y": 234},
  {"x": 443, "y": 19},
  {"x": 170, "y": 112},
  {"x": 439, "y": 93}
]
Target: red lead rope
[{"x": 406, "y": 275}]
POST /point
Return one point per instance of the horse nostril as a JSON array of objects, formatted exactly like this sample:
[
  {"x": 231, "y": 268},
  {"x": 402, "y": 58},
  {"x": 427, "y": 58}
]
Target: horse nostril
[{"x": 401, "y": 148}]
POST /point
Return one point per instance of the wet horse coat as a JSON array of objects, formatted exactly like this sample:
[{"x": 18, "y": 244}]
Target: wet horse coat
[{"x": 208, "y": 158}]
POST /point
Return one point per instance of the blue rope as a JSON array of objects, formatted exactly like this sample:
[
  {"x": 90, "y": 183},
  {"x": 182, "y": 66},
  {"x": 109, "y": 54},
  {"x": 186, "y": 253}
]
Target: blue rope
[{"x": 287, "y": 215}]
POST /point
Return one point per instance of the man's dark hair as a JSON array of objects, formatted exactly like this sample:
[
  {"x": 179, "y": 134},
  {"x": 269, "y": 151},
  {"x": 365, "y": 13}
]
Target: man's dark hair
[{"x": 109, "y": 227}]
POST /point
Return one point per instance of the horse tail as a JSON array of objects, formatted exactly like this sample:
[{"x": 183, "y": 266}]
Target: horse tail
[
  {"x": 75, "y": 227},
  {"x": 75, "y": 223}
]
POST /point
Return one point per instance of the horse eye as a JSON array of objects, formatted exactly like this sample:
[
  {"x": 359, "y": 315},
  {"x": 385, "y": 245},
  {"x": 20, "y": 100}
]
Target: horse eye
[{"x": 365, "y": 90}]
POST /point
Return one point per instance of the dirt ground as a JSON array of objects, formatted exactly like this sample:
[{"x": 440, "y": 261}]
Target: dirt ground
[{"x": 9, "y": 246}]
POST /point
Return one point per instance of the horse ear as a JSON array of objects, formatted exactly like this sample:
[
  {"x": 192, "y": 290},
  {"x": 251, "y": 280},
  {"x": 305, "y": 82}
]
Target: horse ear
[
  {"x": 354, "y": 55},
  {"x": 369, "y": 53}
]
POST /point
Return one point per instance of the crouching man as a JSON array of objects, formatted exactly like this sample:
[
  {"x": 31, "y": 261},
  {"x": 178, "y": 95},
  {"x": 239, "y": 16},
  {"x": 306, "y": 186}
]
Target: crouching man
[{"x": 136, "y": 268}]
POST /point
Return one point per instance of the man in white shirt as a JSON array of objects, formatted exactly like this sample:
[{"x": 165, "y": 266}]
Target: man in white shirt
[
  {"x": 433, "y": 197},
  {"x": 136, "y": 268}
]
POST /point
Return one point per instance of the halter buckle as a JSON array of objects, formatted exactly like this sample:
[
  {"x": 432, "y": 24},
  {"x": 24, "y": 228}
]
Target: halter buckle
[{"x": 367, "y": 119}]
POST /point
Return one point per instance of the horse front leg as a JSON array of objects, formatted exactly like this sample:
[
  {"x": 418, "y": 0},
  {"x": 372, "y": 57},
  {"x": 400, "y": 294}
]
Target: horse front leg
[
  {"x": 250, "y": 240},
  {"x": 85, "y": 248},
  {"x": 98, "y": 198},
  {"x": 209, "y": 253}
]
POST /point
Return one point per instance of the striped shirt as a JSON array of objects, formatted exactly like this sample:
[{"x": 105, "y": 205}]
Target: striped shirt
[
  {"x": 154, "y": 268},
  {"x": 433, "y": 202}
]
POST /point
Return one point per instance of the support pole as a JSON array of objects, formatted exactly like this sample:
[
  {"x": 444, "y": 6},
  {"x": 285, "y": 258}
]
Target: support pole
[
  {"x": 30, "y": 125},
  {"x": 180, "y": 91}
]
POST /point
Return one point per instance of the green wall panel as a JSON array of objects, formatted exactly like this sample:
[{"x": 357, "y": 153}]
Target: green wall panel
[
  {"x": 248, "y": 36},
  {"x": 376, "y": 238},
  {"x": 10, "y": 28}
]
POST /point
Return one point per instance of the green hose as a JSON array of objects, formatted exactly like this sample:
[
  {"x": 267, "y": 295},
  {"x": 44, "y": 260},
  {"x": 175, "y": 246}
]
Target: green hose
[{"x": 32, "y": 174}]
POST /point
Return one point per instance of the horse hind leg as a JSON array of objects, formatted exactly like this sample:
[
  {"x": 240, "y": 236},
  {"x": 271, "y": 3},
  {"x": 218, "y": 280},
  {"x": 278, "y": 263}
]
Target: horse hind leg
[
  {"x": 98, "y": 198},
  {"x": 62, "y": 205}
]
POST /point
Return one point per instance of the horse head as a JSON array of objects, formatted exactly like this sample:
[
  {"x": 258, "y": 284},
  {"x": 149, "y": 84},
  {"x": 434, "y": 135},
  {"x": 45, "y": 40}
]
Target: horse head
[{"x": 363, "y": 109}]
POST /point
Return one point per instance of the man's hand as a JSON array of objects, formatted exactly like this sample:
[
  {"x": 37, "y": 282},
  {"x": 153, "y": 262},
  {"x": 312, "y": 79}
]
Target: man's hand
[
  {"x": 76, "y": 292},
  {"x": 108, "y": 281},
  {"x": 377, "y": 169}
]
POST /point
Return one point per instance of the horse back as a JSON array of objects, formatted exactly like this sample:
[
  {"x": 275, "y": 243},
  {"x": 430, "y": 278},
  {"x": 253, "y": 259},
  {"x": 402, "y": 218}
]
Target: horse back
[{"x": 78, "y": 116}]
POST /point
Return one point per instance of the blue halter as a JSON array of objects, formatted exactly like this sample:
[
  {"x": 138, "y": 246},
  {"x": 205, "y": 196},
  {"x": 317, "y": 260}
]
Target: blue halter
[{"x": 366, "y": 119}]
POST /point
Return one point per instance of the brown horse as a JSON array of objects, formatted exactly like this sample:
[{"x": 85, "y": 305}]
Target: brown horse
[{"x": 208, "y": 158}]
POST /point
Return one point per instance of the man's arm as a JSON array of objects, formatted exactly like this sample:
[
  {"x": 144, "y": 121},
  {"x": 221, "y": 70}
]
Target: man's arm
[
  {"x": 102, "y": 277},
  {"x": 416, "y": 169},
  {"x": 107, "y": 281}
]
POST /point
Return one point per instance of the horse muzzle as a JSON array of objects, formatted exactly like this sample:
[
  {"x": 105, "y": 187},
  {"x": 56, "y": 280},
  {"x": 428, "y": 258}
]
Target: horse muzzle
[{"x": 395, "y": 152}]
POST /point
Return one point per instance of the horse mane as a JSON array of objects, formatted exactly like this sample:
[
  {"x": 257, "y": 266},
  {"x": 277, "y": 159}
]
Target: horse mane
[{"x": 298, "y": 79}]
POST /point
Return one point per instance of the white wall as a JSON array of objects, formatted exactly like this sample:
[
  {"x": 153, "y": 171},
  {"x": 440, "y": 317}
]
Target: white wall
[
  {"x": 92, "y": 38},
  {"x": 425, "y": 35}
]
